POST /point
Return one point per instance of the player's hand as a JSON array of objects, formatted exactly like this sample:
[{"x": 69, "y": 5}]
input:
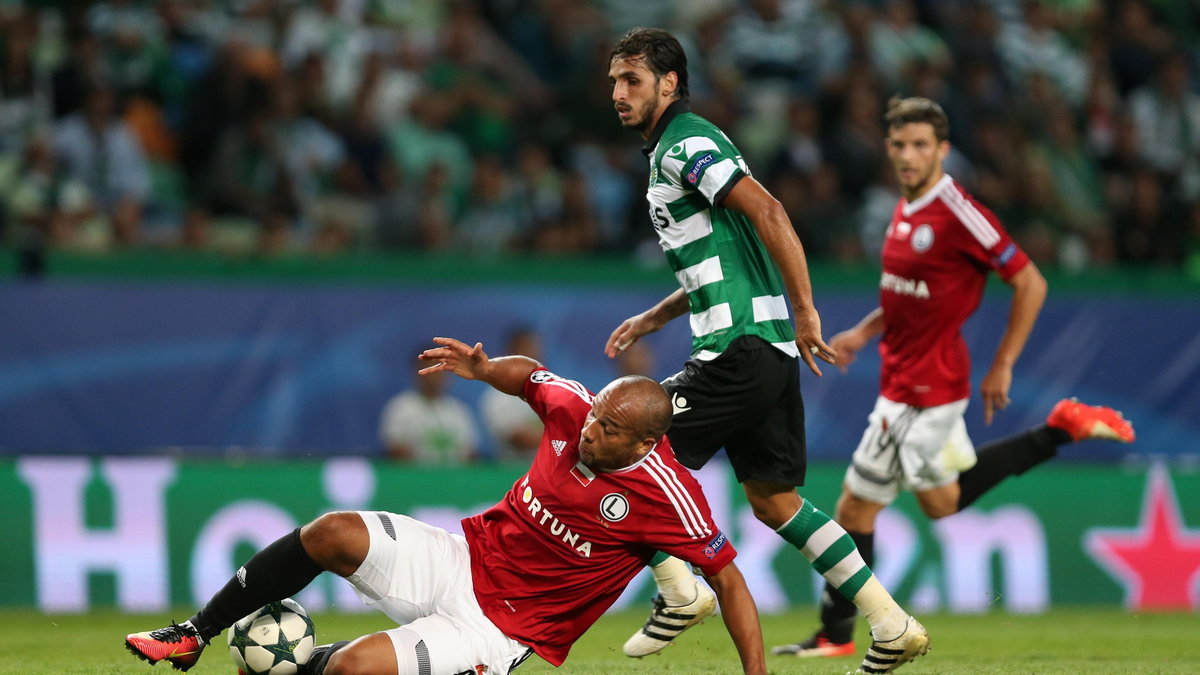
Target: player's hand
[
  {"x": 810, "y": 342},
  {"x": 629, "y": 332},
  {"x": 456, "y": 357},
  {"x": 847, "y": 344},
  {"x": 994, "y": 390}
]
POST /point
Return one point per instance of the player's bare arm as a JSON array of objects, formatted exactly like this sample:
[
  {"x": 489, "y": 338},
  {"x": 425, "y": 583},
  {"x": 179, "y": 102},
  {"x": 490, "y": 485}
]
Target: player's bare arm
[
  {"x": 506, "y": 373},
  {"x": 741, "y": 617},
  {"x": 850, "y": 341},
  {"x": 649, "y": 321},
  {"x": 1029, "y": 293},
  {"x": 771, "y": 222}
]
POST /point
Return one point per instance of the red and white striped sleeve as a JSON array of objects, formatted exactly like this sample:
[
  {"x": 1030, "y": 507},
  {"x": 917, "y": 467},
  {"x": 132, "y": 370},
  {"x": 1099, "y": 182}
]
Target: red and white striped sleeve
[{"x": 995, "y": 247}]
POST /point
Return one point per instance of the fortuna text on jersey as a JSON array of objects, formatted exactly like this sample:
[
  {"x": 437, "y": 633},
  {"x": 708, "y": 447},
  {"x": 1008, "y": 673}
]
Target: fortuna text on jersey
[
  {"x": 542, "y": 516},
  {"x": 897, "y": 284}
]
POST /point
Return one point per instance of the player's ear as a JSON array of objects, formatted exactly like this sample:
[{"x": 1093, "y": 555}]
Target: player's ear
[
  {"x": 646, "y": 445},
  {"x": 670, "y": 83}
]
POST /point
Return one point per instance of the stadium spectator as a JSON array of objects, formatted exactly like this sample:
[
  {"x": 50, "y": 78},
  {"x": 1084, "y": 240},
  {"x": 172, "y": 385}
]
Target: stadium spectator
[
  {"x": 46, "y": 205},
  {"x": 424, "y": 144},
  {"x": 222, "y": 98},
  {"x": 772, "y": 42},
  {"x": 320, "y": 173},
  {"x": 538, "y": 189},
  {"x": 250, "y": 178},
  {"x": 514, "y": 428},
  {"x": 332, "y": 30},
  {"x": 1075, "y": 178},
  {"x": 1167, "y": 114},
  {"x": 187, "y": 54},
  {"x": 79, "y": 69},
  {"x": 130, "y": 35},
  {"x": 1035, "y": 46},
  {"x": 611, "y": 192},
  {"x": 492, "y": 219},
  {"x": 24, "y": 96},
  {"x": 389, "y": 82},
  {"x": 437, "y": 202},
  {"x": 426, "y": 425},
  {"x": 854, "y": 141},
  {"x": 899, "y": 43},
  {"x": 1138, "y": 44},
  {"x": 800, "y": 149},
  {"x": 96, "y": 147}
]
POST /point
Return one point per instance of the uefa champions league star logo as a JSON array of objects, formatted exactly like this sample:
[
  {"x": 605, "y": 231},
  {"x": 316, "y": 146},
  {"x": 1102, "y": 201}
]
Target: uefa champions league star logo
[{"x": 1158, "y": 560}]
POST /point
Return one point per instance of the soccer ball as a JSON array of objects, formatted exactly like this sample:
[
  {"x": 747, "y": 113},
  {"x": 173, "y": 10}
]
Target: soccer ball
[{"x": 275, "y": 640}]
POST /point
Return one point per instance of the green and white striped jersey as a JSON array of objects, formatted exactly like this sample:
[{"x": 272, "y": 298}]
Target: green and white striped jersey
[{"x": 733, "y": 286}]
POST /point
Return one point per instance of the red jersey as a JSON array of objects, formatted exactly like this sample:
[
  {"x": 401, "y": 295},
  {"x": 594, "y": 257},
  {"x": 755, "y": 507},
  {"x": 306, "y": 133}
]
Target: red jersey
[
  {"x": 565, "y": 542},
  {"x": 936, "y": 257}
]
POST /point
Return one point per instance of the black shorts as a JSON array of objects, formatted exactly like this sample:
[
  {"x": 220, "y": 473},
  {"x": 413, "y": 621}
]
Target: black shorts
[{"x": 747, "y": 400}]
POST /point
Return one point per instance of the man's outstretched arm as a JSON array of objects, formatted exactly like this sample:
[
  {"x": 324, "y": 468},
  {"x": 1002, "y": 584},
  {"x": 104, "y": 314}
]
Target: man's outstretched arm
[
  {"x": 1029, "y": 293},
  {"x": 741, "y": 617},
  {"x": 506, "y": 373},
  {"x": 774, "y": 228}
]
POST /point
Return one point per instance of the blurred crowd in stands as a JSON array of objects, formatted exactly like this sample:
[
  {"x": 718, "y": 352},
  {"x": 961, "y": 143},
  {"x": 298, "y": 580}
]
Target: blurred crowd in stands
[{"x": 486, "y": 126}]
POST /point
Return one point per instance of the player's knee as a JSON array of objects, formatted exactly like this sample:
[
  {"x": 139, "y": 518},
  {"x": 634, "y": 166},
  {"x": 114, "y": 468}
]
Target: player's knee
[
  {"x": 764, "y": 514},
  {"x": 939, "y": 502},
  {"x": 772, "y": 504},
  {"x": 350, "y": 661},
  {"x": 939, "y": 510},
  {"x": 336, "y": 541},
  {"x": 855, "y": 514},
  {"x": 774, "y": 514}
]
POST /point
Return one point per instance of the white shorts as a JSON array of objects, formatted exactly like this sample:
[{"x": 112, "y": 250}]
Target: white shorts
[
  {"x": 420, "y": 577},
  {"x": 909, "y": 448}
]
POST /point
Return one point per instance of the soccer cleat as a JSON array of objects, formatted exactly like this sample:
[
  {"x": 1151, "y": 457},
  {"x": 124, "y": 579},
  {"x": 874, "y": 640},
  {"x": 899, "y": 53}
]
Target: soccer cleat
[
  {"x": 884, "y": 657},
  {"x": 1084, "y": 421},
  {"x": 179, "y": 644},
  {"x": 666, "y": 623},
  {"x": 817, "y": 645}
]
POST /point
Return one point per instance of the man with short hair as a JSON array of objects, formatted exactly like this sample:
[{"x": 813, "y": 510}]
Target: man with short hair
[
  {"x": 735, "y": 254},
  {"x": 532, "y": 573},
  {"x": 938, "y": 250}
]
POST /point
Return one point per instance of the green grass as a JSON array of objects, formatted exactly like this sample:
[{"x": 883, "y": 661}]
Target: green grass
[{"x": 1063, "y": 641}]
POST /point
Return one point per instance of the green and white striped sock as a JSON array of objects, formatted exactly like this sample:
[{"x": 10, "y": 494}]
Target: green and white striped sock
[{"x": 833, "y": 554}]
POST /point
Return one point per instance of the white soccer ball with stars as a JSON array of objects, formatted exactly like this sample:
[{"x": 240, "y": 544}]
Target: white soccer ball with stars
[{"x": 275, "y": 640}]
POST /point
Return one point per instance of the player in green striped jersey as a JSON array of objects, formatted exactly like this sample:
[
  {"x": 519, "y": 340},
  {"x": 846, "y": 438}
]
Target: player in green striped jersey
[{"x": 734, "y": 252}]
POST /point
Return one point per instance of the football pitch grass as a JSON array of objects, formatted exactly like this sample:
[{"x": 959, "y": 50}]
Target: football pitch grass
[{"x": 1086, "y": 640}]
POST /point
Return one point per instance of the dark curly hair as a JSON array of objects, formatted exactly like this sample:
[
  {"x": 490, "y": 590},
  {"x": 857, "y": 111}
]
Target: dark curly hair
[{"x": 661, "y": 52}]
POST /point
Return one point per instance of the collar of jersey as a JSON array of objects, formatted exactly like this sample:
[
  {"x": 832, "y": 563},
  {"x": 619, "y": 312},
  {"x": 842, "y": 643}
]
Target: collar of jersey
[
  {"x": 631, "y": 467},
  {"x": 677, "y": 108},
  {"x": 925, "y": 199}
]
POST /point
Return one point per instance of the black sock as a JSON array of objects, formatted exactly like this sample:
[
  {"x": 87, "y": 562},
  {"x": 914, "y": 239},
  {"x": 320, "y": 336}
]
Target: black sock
[
  {"x": 274, "y": 573},
  {"x": 838, "y": 613},
  {"x": 320, "y": 658},
  {"x": 1006, "y": 457}
]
